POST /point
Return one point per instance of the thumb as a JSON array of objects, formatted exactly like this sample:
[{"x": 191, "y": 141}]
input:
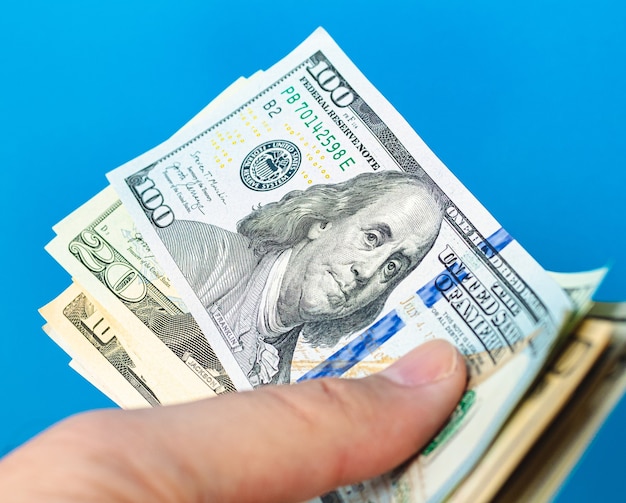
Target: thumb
[
  {"x": 276, "y": 444},
  {"x": 290, "y": 443}
]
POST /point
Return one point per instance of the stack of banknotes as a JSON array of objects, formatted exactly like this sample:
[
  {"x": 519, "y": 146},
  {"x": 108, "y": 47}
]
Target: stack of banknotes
[{"x": 297, "y": 228}]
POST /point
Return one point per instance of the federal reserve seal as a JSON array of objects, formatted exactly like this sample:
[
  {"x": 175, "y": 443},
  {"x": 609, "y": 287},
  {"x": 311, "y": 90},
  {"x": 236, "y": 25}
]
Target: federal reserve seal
[{"x": 270, "y": 165}]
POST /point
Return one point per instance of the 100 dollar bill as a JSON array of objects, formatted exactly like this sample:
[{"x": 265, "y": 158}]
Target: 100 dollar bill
[
  {"x": 188, "y": 197},
  {"x": 309, "y": 230}
]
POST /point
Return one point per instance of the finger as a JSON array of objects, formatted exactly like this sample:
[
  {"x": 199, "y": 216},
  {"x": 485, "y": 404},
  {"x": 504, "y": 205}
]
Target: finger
[
  {"x": 277, "y": 444},
  {"x": 291, "y": 443}
]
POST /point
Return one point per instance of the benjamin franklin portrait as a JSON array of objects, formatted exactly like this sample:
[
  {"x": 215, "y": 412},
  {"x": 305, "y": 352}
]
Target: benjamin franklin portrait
[{"x": 318, "y": 265}]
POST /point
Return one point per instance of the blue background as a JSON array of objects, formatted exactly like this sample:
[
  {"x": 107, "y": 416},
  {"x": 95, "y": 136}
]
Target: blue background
[{"x": 524, "y": 101}]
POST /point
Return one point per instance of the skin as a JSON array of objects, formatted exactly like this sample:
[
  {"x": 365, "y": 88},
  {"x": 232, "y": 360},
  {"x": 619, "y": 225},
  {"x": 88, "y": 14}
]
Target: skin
[
  {"x": 277, "y": 444},
  {"x": 346, "y": 263}
]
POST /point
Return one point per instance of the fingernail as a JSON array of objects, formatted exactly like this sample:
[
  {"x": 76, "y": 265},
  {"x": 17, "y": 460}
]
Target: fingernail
[{"x": 431, "y": 362}]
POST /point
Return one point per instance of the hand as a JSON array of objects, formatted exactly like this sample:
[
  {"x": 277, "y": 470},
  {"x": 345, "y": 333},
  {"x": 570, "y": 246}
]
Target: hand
[{"x": 275, "y": 444}]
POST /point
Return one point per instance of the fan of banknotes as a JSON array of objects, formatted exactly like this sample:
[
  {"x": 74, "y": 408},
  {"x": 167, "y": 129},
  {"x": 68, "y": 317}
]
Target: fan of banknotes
[{"x": 297, "y": 228}]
